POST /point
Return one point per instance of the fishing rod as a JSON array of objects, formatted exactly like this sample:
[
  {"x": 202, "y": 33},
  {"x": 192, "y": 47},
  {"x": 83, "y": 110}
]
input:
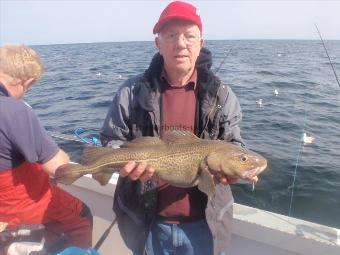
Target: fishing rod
[
  {"x": 105, "y": 234},
  {"x": 329, "y": 59},
  {"x": 225, "y": 58},
  {"x": 93, "y": 140},
  {"x": 218, "y": 68}
]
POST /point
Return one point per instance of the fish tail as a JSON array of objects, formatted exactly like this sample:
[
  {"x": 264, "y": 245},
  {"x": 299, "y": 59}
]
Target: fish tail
[{"x": 69, "y": 173}]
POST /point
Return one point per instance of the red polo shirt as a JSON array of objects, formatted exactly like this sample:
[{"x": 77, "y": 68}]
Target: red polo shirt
[{"x": 176, "y": 205}]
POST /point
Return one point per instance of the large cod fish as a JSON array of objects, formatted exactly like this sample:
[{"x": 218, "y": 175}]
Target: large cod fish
[{"x": 183, "y": 160}]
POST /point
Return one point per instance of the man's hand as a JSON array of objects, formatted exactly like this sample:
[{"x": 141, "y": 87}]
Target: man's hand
[
  {"x": 137, "y": 171},
  {"x": 224, "y": 179}
]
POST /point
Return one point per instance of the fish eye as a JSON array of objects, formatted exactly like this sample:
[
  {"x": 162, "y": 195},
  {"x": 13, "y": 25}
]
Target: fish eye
[{"x": 244, "y": 158}]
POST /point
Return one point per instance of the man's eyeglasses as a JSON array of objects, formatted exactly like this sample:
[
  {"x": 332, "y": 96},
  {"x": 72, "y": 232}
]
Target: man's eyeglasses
[{"x": 188, "y": 38}]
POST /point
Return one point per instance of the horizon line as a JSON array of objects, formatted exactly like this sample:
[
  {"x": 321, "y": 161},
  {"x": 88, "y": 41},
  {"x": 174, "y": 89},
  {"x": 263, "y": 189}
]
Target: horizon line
[{"x": 130, "y": 41}]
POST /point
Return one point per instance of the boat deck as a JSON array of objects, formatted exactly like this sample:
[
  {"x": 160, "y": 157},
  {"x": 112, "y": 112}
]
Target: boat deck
[{"x": 255, "y": 231}]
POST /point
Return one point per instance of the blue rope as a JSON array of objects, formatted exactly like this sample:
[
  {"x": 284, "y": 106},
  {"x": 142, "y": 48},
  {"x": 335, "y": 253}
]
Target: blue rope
[{"x": 89, "y": 140}]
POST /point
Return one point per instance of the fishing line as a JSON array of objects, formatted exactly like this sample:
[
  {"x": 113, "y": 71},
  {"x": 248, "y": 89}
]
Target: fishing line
[
  {"x": 329, "y": 59},
  {"x": 301, "y": 142},
  {"x": 297, "y": 161},
  {"x": 65, "y": 137}
]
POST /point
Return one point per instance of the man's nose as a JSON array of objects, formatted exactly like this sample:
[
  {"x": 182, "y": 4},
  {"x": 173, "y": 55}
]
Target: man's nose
[{"x": 181, "y": 41}]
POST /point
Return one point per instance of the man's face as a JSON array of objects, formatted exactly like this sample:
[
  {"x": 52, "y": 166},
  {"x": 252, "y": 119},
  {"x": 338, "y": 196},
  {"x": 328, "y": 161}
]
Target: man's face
[{"x": 179, "y": 42}]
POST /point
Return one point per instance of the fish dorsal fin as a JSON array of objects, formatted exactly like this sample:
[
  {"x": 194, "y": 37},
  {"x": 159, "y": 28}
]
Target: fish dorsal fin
[
  {"x": 90, "y": 154},
  {"x": 142, "y": 142},
  {"x": 180, "y": 137}
]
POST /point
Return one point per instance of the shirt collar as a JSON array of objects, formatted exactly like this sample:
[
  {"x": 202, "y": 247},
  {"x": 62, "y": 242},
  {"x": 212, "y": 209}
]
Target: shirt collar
[
  {"x": 3, "y": 91},
  {"x": 192, "y": 80}
]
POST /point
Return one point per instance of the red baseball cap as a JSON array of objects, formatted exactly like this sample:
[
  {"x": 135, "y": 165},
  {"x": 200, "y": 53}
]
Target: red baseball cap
[{"x": 178, "y": 10}]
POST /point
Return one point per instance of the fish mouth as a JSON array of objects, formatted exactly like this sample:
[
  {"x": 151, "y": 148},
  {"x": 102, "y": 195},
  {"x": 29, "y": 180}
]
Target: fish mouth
[{"x": 250, "y": 174}]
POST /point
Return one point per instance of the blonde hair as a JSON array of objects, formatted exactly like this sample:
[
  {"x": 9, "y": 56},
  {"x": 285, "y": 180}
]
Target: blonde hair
[{"x": 20, "y": 62}]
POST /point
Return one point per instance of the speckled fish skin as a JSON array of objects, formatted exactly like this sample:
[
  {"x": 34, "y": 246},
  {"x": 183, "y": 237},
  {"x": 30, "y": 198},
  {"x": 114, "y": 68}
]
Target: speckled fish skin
[{"x": 180, "y": 160}]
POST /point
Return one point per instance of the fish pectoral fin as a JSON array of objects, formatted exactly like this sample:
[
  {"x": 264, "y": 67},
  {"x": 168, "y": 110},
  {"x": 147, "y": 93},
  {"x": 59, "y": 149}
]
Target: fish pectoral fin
[
  {"x": 206, "y": 182},
  {"x": 142, "y": 142},
  {"x": 213, "y": 161},
  {"x": 103, "y": 176},
  {"x": 180, "y": 137},
  {"x": 91, "y": 154}
]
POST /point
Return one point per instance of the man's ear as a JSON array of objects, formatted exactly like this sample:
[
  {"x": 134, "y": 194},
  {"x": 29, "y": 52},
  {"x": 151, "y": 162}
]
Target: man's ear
[
  {"x": 157, "y": 44},
  {"x": 26, "y": 84},
  {"x": 202, "y": 43}
]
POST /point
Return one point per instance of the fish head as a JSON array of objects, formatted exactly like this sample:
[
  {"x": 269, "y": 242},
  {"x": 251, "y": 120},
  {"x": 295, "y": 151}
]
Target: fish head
[{"x": 236, "y": 161}]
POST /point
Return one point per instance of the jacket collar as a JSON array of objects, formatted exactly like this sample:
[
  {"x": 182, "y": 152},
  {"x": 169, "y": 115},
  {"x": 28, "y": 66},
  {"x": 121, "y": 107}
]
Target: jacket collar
[{"x": 149, "y": 92}]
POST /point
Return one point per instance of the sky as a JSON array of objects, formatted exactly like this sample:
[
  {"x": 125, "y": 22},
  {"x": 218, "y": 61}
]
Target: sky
[{"x": 35, "y": 22}]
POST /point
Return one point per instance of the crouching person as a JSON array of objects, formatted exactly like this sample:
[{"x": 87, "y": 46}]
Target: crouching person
[{"x": 29, "y": 156}]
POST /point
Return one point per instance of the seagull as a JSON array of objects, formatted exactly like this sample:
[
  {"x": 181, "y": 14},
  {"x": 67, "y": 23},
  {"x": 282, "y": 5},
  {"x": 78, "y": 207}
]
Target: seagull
[
  {"x": 259, "y": 102},
  {"x": 307, "y": 139},
  {"x": 276, "y": 92},
  {"x": 99, "y": 74}
]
